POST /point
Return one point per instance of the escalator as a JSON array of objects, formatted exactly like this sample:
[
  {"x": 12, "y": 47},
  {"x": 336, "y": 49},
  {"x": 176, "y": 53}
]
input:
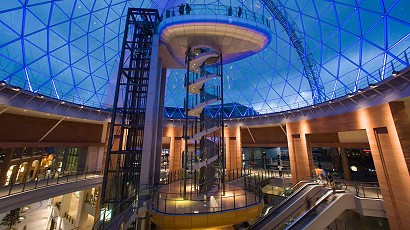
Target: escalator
[
  {"x": 277, "y": 217},
  {"x": 326, "y": 209}
]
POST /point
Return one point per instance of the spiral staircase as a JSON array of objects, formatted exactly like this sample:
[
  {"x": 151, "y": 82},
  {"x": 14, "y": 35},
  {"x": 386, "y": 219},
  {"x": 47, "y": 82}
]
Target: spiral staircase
[{"x": 203, "y": 134}]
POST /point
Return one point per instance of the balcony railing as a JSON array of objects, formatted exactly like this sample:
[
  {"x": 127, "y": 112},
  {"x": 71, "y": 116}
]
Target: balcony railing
[
  {"x": 49, "y": 180},
  {"x": 216, "y": 9},
  {"x": 172, "y": 203},
  {"x": 368, "y": 190}
]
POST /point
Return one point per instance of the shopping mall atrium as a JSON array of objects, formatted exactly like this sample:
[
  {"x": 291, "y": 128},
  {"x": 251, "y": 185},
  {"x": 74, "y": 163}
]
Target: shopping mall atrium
[{"x": 204, "y": 114}]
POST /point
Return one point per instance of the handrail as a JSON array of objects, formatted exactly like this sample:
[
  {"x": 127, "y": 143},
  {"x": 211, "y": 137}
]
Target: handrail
[
  {"x": 284, "y": 201},
  {"x": 204, "y": 71},
  {"x": 216, "y": 9},
  {"x": 366, "y": 189},
  {"x": 211, "y": 202},
  {"x": 209, "y": 93},
  {"x": 304, "y": 180},
  {"x": 292, "y": 213},
  {"x": 48, "y": 180},
  {"x": 324, "y": 197}
]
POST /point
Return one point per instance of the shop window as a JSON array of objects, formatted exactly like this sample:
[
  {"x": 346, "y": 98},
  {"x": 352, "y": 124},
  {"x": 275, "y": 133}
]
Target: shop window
[
  {"x": 165, "y": 160},
  {"x": 2, "y": 153},
  {"x": 17, "y": 153},
  {"x": 71, "y": 159},
  {"x": 27, "y": 152},
  {"x": 38, "y": 152}
]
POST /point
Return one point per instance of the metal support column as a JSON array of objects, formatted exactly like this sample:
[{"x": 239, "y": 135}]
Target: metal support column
[{"x": 122, "y": 169}]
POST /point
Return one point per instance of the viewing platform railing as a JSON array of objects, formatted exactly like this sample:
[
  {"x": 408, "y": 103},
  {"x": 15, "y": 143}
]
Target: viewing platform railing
[
  {"x": 173, "y": 203},
  {"x": 216, "y": 9}
]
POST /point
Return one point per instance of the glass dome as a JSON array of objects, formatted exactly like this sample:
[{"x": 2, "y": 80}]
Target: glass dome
[{"x": 70, "y": 50}]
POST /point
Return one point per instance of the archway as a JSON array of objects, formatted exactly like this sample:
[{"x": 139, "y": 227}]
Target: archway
[
  {"x": 11, "y": 173},
  {"x": 22, "y": 172}
]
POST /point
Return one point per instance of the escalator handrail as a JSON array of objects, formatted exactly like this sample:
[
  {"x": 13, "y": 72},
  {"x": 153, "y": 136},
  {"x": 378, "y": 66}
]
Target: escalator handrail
[
  {"x": 284, "y": 202},
  {"x": 303, "y": 204},
  {"x": 303, "y": 180},
  {"x": 324, "y": 197}
]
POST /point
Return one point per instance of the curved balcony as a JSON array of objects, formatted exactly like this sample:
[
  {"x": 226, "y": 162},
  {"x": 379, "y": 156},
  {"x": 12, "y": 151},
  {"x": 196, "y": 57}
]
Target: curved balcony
[
  {"x": 46, "y": 186},
  {"x": 169, "y": 210},
  {"x": 235, "y": 33}
]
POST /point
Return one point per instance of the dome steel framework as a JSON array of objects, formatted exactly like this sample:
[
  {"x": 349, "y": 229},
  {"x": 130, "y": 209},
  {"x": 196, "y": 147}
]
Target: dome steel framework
[{"x": 70, "y": 50}]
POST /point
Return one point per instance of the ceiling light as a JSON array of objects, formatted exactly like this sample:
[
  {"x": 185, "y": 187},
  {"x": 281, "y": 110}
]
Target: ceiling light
[
  {"x": 40, "y": 96},
  {"x": 3, "y": 83},
  {"x": 48, "y": 114},
  {"x": 98, "y": 110},
  {"x": 360, "y": 91},
  {"x": 350, "y": 95},
  {"x": 63, "y": 102},
  {"x": 81, "y": 107},
  {"x": 25, "y": 110},
  {"x": 16, "y": 89},
  {"x": 395, "y": 73}
]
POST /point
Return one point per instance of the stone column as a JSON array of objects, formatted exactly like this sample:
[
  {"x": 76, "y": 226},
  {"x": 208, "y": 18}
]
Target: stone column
[
  {"x": 65, "y": 204},
  {"x": 175, "y": 153},
  {"x": 347, "y": 174},
  {"x": 336, "y": 160},
  {"x": 149, "y": 150},
  {"x": 233, "y": 148},
  {"x": 82, "y": 215},
  {"x": 300, "y": 154},
  {"x": 389, "y": 146}
]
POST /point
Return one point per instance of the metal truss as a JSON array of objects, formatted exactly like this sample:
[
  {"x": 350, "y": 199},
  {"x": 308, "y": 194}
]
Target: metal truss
[
  {"x": 120, "y": 187},
  {"x": 309, "y": 66}
]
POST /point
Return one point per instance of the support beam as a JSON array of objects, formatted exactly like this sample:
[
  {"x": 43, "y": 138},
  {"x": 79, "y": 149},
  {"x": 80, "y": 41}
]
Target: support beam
[
  {"x": 52, "y": 128},
  {"x": 250, "y": 133},
  {"x": 4, "y": 110}
]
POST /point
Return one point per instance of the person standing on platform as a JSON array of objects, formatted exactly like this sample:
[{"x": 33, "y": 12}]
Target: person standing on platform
[
  {"x": 230, "y": 11},
  {"x": 188, "y": 9},
  {"x": 239, "y": 12},
  {"x": 280, "y": 168},
  {"x": 181, "y": 9}
]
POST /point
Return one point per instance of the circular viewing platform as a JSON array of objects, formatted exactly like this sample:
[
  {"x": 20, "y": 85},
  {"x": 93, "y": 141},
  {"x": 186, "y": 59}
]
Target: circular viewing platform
[
  {"x": 234, "y": 32},
  {"x": 169, "y": 210}
]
